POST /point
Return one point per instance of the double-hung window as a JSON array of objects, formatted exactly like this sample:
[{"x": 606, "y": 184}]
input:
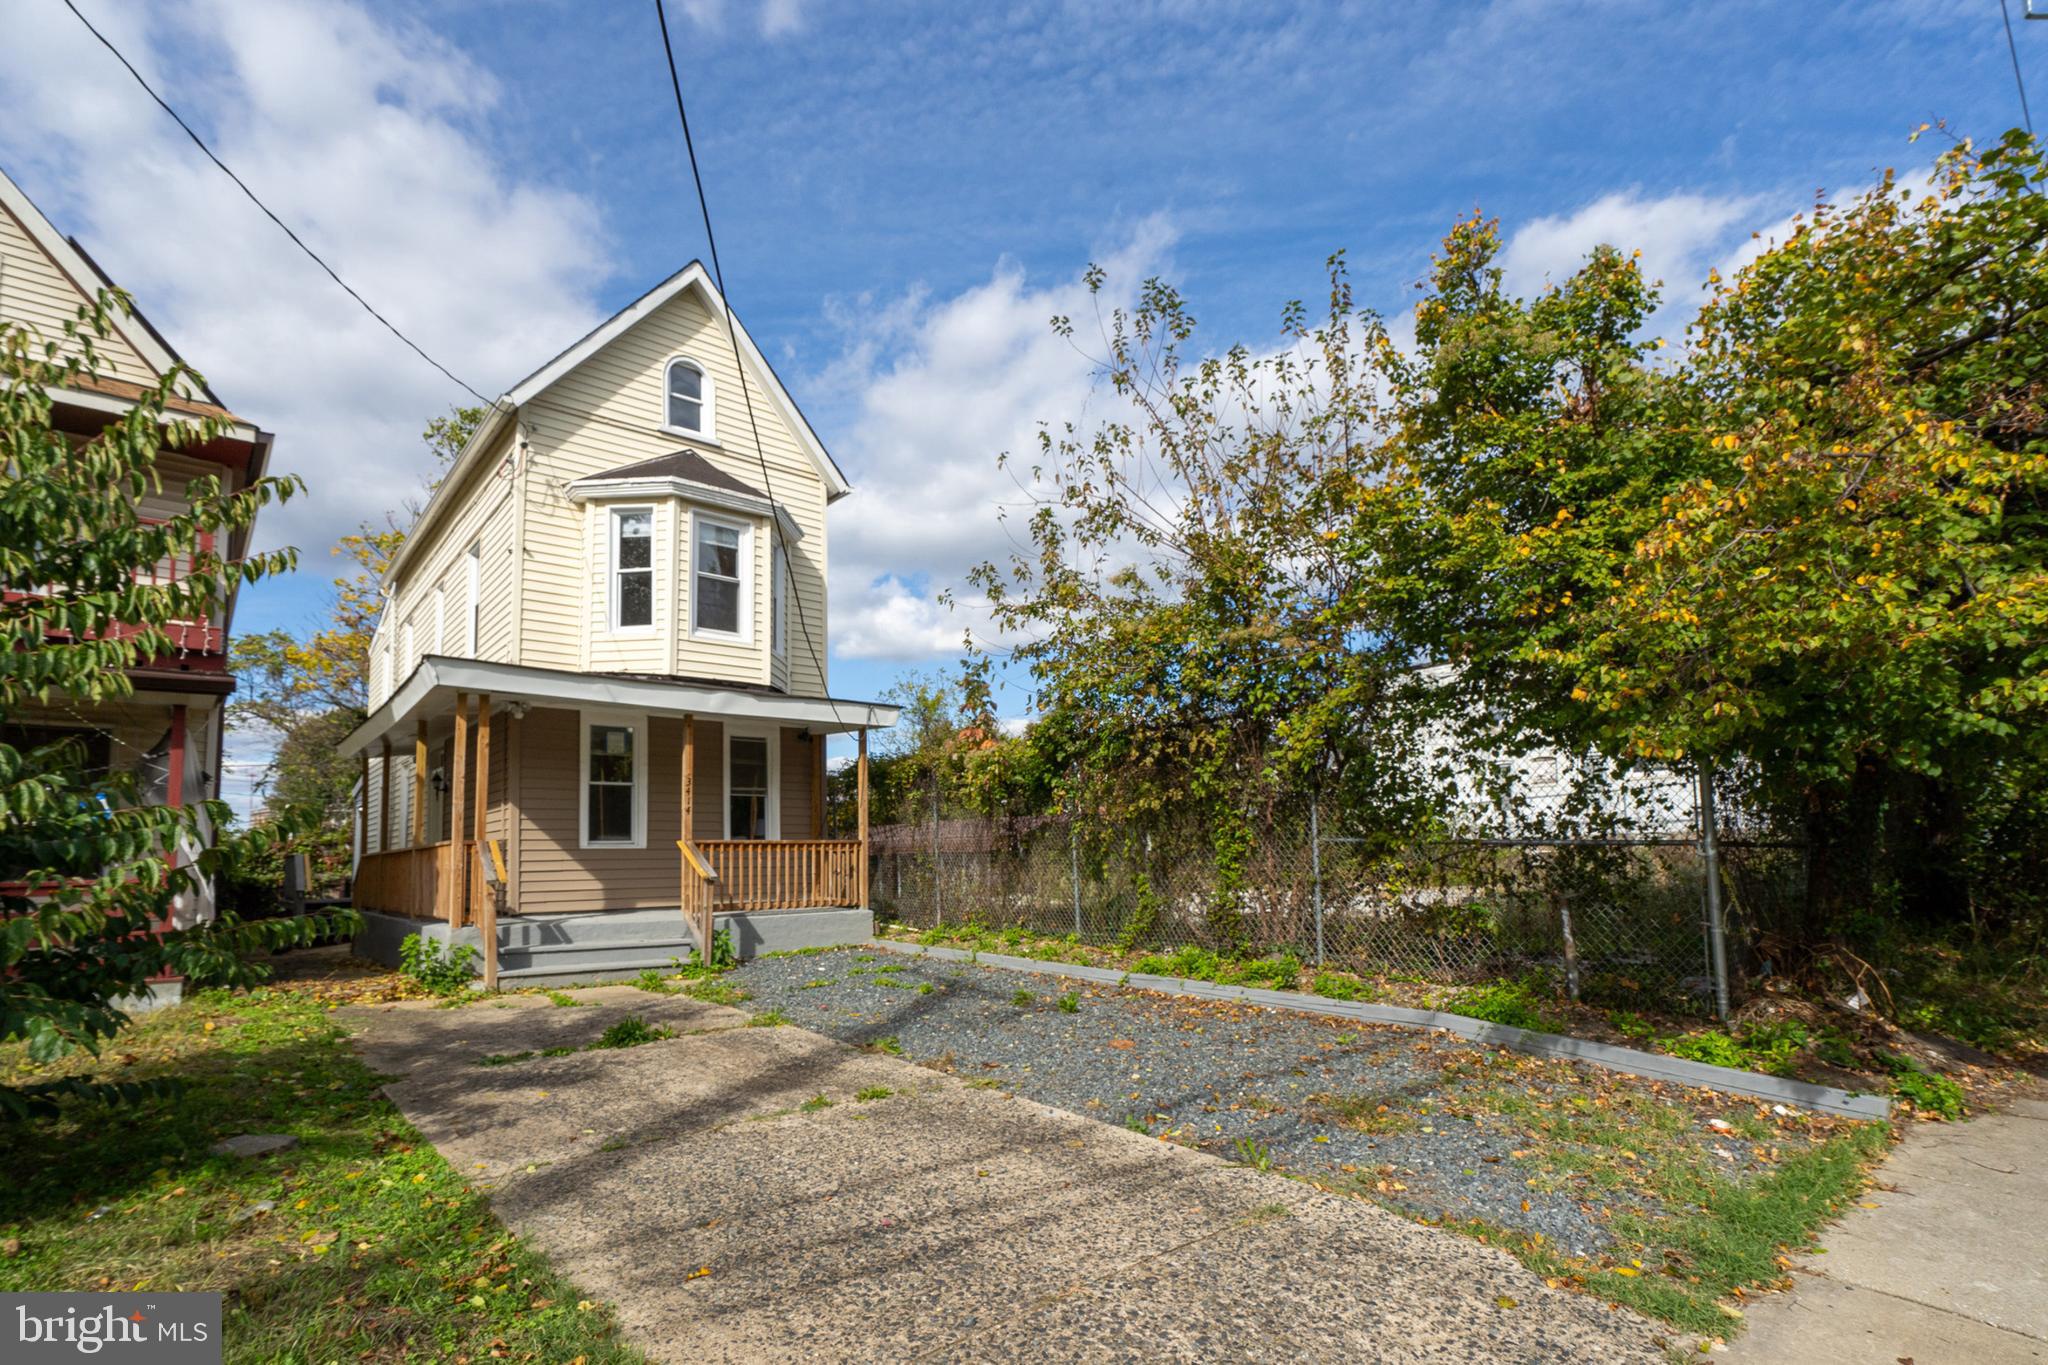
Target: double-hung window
[
  {"x": 747, "y": 787},
  {"x": 686, "y": 399},
  {"x": 632, "y": 531},
  {"x": 614, "y": 782},
  {"x": 719, "y": 573}
]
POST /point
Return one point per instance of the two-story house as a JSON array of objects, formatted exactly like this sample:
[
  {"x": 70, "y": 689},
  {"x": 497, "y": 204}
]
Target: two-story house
[
  {"x": 168, "y": 731},
  {"x": 602, "y": 665}
]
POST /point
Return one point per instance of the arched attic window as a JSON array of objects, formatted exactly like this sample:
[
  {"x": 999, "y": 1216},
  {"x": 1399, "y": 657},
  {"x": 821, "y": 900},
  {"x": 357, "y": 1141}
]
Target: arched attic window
[{"x": 687, "y": 400}]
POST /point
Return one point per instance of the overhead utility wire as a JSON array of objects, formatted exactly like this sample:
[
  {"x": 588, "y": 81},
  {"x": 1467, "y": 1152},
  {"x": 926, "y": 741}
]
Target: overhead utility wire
[
  {"x": 733, "y": 336},
  {"x": 2012, "y": 48},
  {"x": 200, "y": 143}
]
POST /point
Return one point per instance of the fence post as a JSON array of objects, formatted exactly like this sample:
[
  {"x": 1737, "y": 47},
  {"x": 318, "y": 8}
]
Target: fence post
[
  {"x": 1710, "y": 860},
  {"x": 1315, "y": 873},
  {"x": 1074, "y": 872},
  {"x": 1571, "y": 948},
  {"x": 938, "y": 881}
]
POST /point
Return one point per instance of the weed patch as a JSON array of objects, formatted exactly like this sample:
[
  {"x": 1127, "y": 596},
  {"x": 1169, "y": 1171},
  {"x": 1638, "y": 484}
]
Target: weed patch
[{"x": 441, "y": 968}]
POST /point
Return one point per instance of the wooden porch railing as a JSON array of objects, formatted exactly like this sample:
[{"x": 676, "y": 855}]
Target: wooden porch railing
[
  {"x": 698, "y": 897},
  {"x": 784, "y": 874},
  {"x": 416, "y": 882}
]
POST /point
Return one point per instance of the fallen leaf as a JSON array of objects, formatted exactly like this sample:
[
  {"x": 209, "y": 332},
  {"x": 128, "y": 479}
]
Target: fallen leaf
[{"x": 1505, "y": 1302}]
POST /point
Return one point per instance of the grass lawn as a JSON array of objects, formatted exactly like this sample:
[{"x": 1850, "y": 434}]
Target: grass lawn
[{"x": 360, "y": 1244}]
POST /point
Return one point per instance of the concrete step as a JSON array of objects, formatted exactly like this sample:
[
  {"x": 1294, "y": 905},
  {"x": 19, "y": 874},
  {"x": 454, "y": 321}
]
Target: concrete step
[
  {"x": 622, "y": 926},
  {"x": 552, "y": 973},
  {"x": 658, "y": 952}
]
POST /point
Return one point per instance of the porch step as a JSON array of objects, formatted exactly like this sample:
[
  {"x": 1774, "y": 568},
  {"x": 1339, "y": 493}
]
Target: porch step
[
  {"x": 607, "y": 954},
  {"x": 558, "y": 973}
]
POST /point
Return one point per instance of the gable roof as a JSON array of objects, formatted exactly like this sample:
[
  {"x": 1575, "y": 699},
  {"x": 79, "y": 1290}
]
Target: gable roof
[
  {"x": 86, "y": 277},
  {"x": 691, "y": 277},
  {"x": 686, "y": 465},
  {"x": 506, "y": 408}
]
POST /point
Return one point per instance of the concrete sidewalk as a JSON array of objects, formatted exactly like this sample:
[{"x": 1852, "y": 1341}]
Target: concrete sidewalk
[
  {"x": 1949, "y": 1261},
  {"x": 730, "y": 1192}
]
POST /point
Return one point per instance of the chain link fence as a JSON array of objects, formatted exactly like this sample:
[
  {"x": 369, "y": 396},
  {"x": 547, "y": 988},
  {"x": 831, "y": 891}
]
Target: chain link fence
[{"x": 1603, "y": 900}]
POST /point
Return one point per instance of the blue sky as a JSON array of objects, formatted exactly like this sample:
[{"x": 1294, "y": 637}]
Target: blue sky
[{"x": 905, "y": 194}]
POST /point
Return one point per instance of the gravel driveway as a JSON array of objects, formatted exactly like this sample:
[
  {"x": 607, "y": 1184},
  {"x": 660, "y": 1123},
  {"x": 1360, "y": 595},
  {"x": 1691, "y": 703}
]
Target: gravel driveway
[{"x": 1410, "y": 1119}]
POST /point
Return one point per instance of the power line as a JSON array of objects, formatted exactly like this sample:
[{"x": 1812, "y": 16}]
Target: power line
[
  {"x": 200, "y": 143},
  {"x": 732, "y": 335},
  {"x": 2013, "y": 49}
]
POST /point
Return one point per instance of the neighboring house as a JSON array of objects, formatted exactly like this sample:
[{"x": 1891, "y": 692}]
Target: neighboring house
[
  {"x": 169, "y": 731},
  {"x": 603, "y": 652}
]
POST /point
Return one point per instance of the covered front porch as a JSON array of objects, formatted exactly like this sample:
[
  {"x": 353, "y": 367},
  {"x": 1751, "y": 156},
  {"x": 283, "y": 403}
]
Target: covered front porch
[{"x": 544, "y": 794}]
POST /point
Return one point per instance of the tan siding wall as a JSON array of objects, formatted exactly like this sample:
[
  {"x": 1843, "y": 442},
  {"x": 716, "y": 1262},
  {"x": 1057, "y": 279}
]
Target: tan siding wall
[
  {"x": 796, "y": 785},
  {"x": 553, "y": 872},
  {"x": 36, "y": 292},
  {"x": 607, "y": 413}
]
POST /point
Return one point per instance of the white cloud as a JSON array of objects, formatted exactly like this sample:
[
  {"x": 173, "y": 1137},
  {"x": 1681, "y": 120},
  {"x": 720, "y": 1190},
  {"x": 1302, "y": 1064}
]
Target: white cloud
[
  {"x": 936, "y": 388},
  {"x": 361, "y": 133},
  {"x": 1682, "y": 236}
]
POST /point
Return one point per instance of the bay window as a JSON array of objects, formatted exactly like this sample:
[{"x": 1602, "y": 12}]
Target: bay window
[
  {"x": 720, "y": 561},
  {"x": 632, "y": 587}
]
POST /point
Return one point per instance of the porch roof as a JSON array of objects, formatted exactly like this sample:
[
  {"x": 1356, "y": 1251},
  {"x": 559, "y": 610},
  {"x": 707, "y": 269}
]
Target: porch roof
[{"x": 432, "y": 687}]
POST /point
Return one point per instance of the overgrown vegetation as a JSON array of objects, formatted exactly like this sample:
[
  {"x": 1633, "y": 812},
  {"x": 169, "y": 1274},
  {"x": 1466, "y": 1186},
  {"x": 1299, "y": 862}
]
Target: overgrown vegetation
[
  {"x": 361, "y": 1243},
  {"x": 443, "y": 968},
  {"x": 1804, "y": 549}
]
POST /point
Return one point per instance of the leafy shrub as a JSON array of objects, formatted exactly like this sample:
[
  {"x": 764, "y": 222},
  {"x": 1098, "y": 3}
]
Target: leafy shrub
[
  {"x": 1338, "y": 986},
  {"x": 632, "y": 1031},
  {"x": 1632, "y": 1026},
  {"x": 1768, "y": 1047},
  {"x": 1835, "y": 1049},
  {"x": 1772, "y": 1047},
  {"x": 725, "y": 954},
  {"x": 1927, "y": 1091},
  {"x": 1710, "y": 1046},
  {"x": 441, "y": 968},
  {"x": 1513, "y": 1003},
  {"x": 1199, "y": 964}
]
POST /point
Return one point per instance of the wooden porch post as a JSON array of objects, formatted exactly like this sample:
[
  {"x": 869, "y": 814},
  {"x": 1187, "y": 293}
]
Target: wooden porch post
[
  {"x": 689, "y": 776},
  {"x": 487, "y": 907},
  {"x": 862, "y": 783},
  {"x": 817, "y": 785},
  {"x": 419, "y": 784},
  {"x": 455, "y": 890},
  {"x": 384, "y": 806}
]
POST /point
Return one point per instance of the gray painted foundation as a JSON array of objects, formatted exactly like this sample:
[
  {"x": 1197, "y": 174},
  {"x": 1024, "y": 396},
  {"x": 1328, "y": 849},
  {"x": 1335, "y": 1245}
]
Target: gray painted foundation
[
  {"x": 1650, "y": 1065},
  {"x": 613, "y": 945}
]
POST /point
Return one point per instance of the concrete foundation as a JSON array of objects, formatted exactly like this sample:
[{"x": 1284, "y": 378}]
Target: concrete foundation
[{"x": 614, "y": 945}]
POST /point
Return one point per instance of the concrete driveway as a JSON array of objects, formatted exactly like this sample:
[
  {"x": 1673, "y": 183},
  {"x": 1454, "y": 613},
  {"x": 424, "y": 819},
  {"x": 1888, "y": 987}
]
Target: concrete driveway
[{"x": 941, "y": 1221}]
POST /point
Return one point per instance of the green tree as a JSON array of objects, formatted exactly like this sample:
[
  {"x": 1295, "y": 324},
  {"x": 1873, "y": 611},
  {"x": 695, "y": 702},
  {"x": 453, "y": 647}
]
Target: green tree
[
  {"x": 1811, "y": 551},
  {"x": 84, "y": 874}
]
